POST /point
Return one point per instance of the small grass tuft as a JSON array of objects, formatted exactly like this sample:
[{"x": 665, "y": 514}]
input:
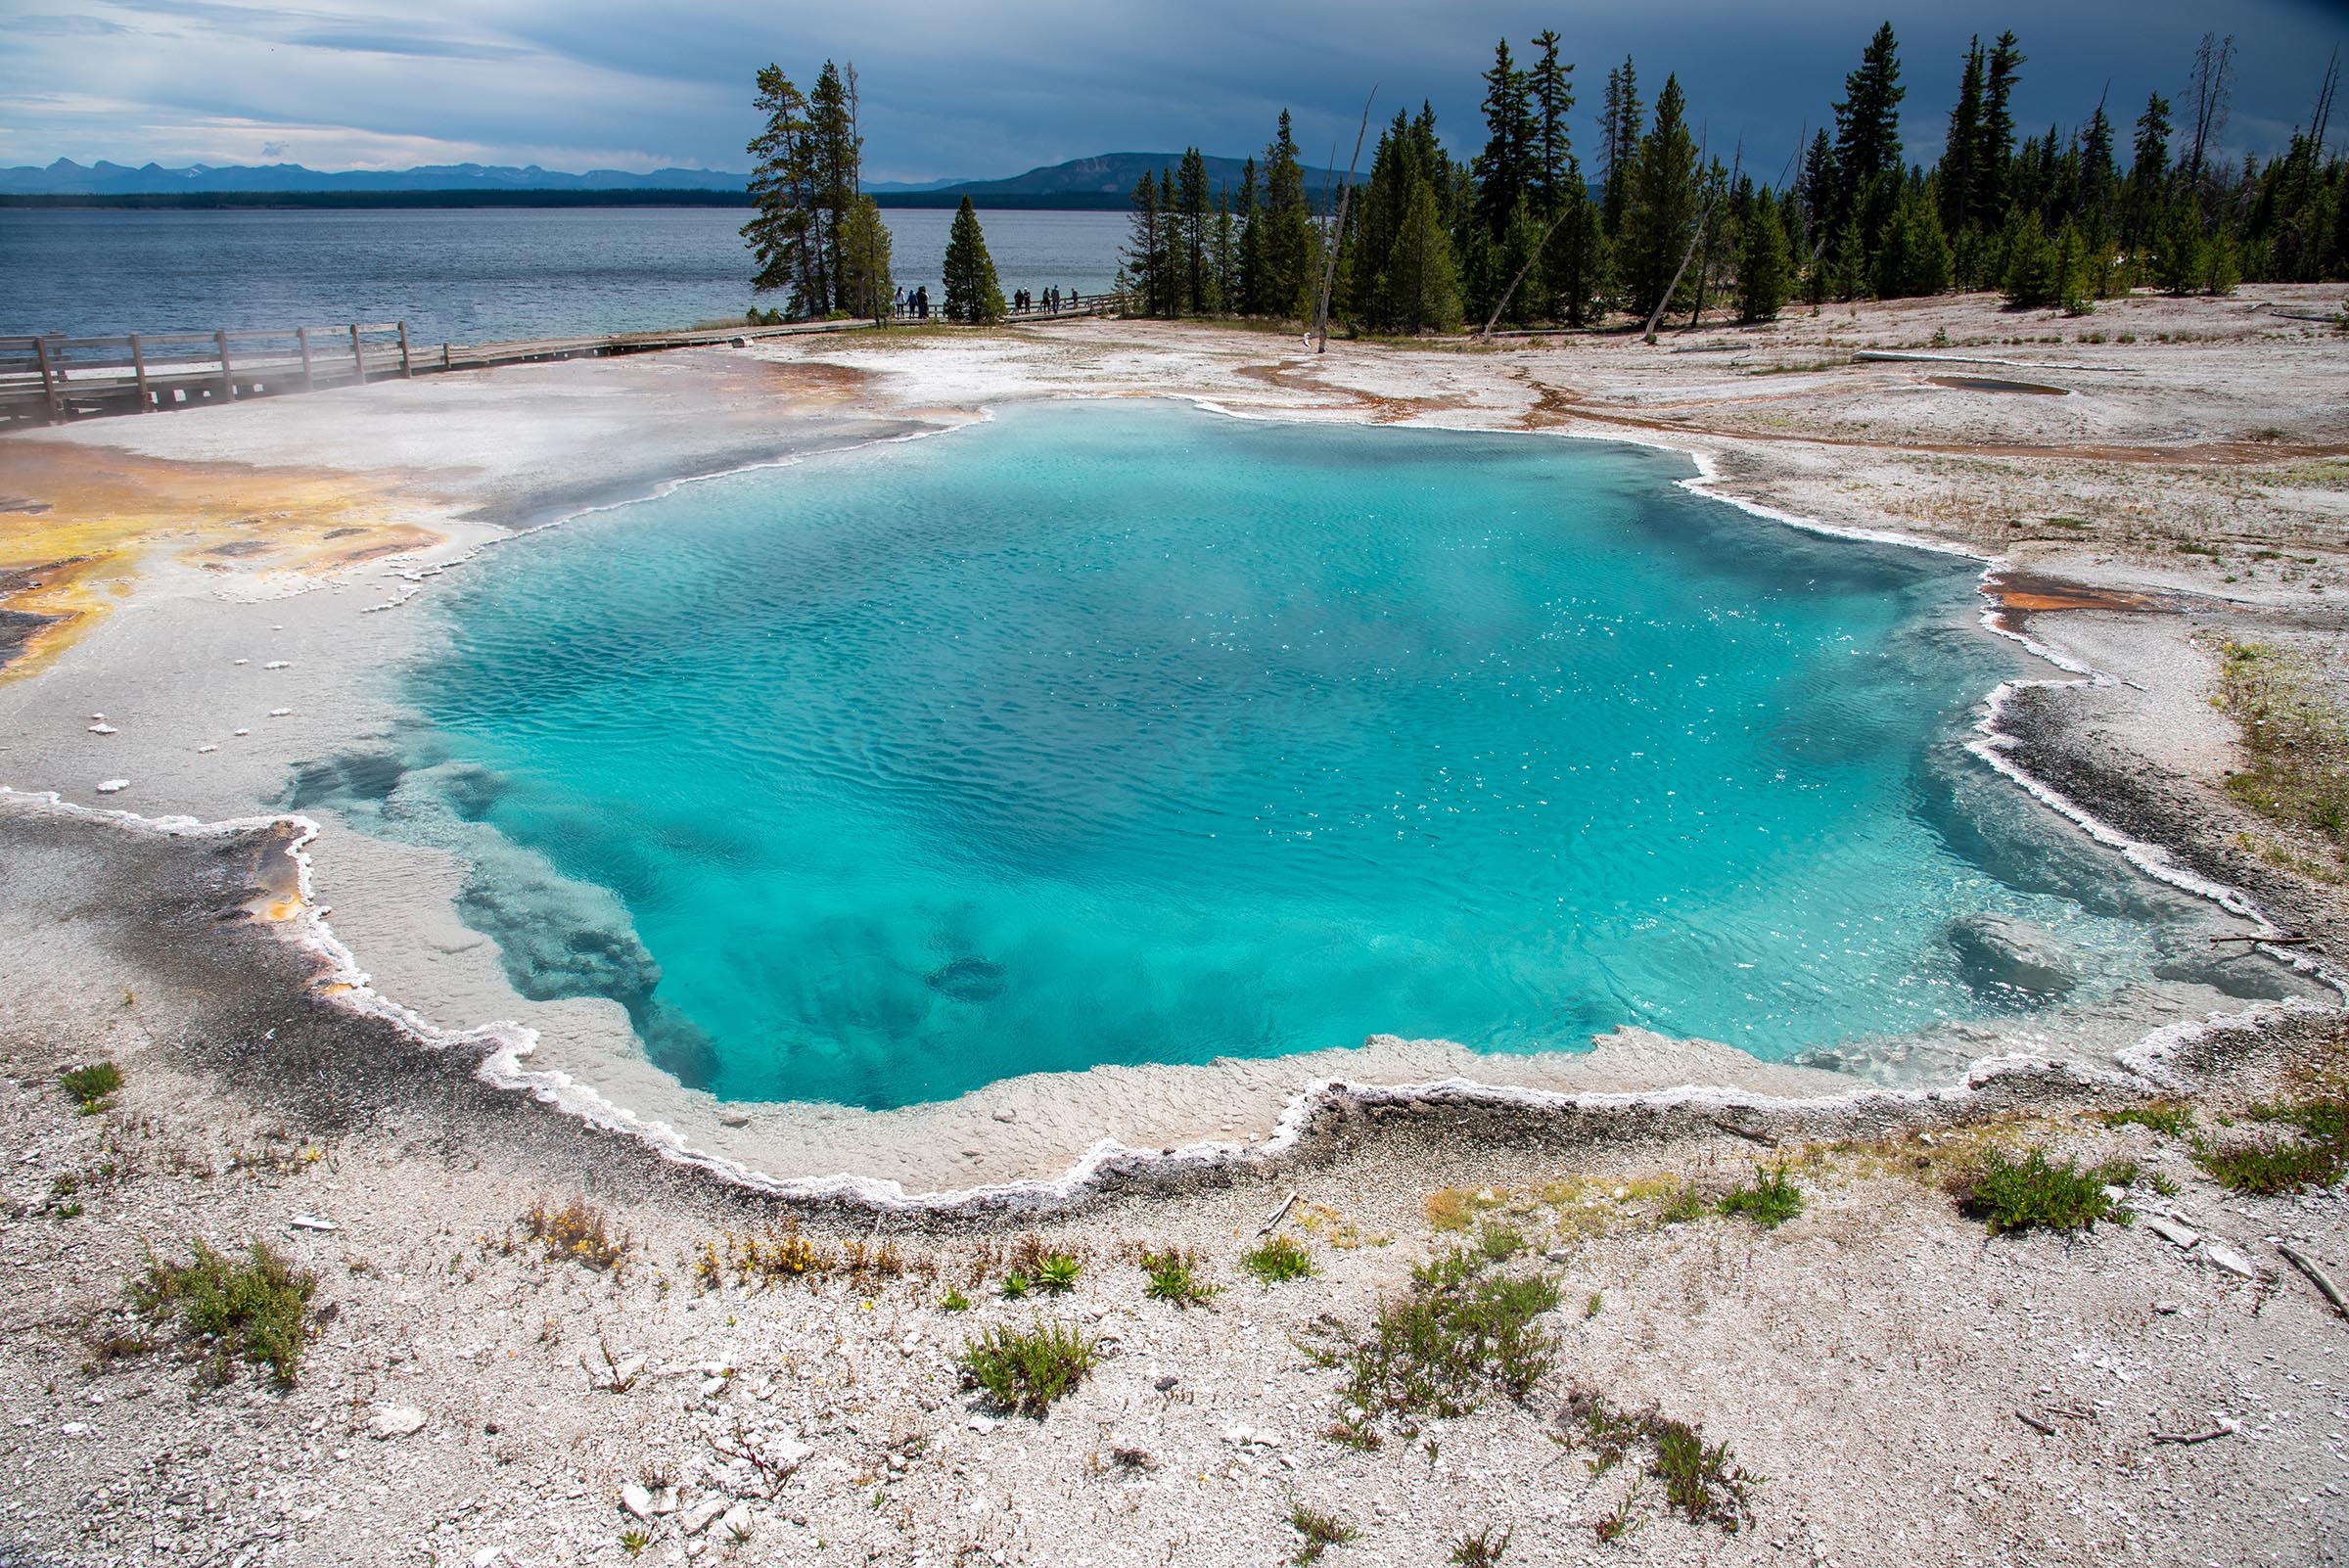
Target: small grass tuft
[
  {"x": 2166, "y": 1117},
  {"x": 254, "y": 1311},
  {"x": 1057, "y": 1273},
  {"x": 1769, "y": 1200},
  {"x": 1277, "y": 1261},
  {"x": 577, "y": 1230},
  {"x": 1481, "y": 1551},
  {"x": 1015, "y": 1286},
  {"x": 1172, "y": 1279},
  {"x": 2318, "y": 1158},
  {"x": 92, "y": 1084},
  {"x": 1702, "y": 1482},
  {"x": 1027, "y": 1369},
  {"x": 1322, "y": 1531},
  {"x": 953, "y": 1301},
  {"x": 2010, "y": 1194}
]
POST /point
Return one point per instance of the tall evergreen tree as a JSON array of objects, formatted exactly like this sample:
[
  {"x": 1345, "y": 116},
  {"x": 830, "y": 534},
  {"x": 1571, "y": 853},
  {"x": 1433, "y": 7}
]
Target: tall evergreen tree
[
  {"x": 2100, "y": 177},
  {"x": 2144, "y": 197},
  {"x": 1505, "y": 169},
  {"x": 1765, "y": 269},
  {"x": 1959, "y": 174},
  {"x": 1287, "y": 250},
  {"x": 866, "y": 283},
  {"x": 1552, "y": 161},
  {"x": 1146, "y": 261},
  {"x": 781, "y": 232},
  {"x": 973, "y": 295},
  {"x": 1621, "y": 132},
  {"x": 1867, "y": 123},
  {"x": 1194, "y": 211},
  {"x": 1660, "y": 209},
  {"x": 1914, "y": 257},
  {"x": 1996, "y": 146}
]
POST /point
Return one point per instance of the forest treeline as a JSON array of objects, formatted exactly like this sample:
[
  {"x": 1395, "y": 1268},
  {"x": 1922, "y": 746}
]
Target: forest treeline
[{"x": 1663, "y": 224}]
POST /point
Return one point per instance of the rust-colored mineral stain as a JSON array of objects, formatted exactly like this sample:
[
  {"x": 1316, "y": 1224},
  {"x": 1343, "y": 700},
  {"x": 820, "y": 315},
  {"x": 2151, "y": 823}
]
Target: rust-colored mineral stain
[
  {"x": 2019, "y": 591},
  {"x": 92, "y": 515}
]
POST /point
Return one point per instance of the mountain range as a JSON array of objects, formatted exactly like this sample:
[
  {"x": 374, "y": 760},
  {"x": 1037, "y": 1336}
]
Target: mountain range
[{"x": 1102, "y": 180}]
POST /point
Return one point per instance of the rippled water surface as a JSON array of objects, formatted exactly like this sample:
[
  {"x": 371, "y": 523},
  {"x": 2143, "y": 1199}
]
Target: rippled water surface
[{"x": 1127, "y": 733}]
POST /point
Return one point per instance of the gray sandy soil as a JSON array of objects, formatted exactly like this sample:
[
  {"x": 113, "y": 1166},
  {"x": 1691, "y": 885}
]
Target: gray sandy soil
[{"x": 1885, "y": 1366}]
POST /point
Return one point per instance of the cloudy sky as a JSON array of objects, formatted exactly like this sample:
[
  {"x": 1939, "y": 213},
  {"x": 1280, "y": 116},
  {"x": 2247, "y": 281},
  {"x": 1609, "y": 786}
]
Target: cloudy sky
[{"x": 978, "y": 88}]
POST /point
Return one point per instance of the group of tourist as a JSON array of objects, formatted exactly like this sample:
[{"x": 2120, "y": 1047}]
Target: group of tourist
[{"x": 1024, "y": 300}]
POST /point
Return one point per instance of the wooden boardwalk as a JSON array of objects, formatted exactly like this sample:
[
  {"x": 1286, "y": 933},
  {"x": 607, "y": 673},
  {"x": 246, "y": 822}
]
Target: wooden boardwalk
[{"x": 52, "y": 379}]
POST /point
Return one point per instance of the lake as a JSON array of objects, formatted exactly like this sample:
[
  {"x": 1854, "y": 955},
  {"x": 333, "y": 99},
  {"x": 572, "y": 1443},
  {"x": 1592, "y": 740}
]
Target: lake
[{"x": 462, "y": 275}]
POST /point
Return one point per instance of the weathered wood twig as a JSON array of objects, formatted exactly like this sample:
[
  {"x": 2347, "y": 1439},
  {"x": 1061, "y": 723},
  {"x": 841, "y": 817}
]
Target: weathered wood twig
[
  {"x": 1279, "y": 1215},
  {"x": 2033, "y": 1424},
  {"x": 2219, "y": 1429},
  {"x": 2315, "y": 1276},
  {"x": 2282, "y": 939}
]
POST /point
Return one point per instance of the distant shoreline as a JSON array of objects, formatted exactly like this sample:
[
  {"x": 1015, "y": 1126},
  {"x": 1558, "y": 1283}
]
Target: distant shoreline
[{"x": 326, "y": 201}]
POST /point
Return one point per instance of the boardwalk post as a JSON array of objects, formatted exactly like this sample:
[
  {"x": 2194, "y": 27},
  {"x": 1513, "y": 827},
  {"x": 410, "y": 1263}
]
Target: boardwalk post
[
  {"x": 406, "y": 368},
  {"x": 444, "y": 356},
  {"x": 138, "y": 363},
  {"x": 228, "y": 376},
  {"x": 358, "y": 356},
  {"x": 49, "y": 392},
  {"x": 309, "y": 377}
]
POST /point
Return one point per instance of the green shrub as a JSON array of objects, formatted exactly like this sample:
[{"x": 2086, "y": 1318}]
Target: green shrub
[
  {"x": 92, "y": 1084},
  {"x": 1686, "y": 1204},
  {"x": 1027, "y": 1369},
  {"x": 1481, "y": 1551},
  {"x": 2318, "y": 1158},
  {"x": 1278, "y": 1260},
  {"x": 1701, "y": 1481},
  {"x": 2010, "y": 1194},
  {"x": 255, "y": 1310},
  {"x": 953, "y": 1301},
  {"x": 1459, "y": 1333},
  {"x": 1015, "y": 1285},
  {"x": 1769, "y": 1200},
  {"x": 1058, "y": 1272},
  {"x": 1171, "y": 1279}
]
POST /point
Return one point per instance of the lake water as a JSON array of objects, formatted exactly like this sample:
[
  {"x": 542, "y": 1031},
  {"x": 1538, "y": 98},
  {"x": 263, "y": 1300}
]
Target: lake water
[
  {"x": 1128, "y": 733},
  {"x": 462, "y": 275}
]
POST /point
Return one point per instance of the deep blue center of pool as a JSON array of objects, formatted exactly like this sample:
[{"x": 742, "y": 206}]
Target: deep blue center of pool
[{"x": 1125, "y": 734}]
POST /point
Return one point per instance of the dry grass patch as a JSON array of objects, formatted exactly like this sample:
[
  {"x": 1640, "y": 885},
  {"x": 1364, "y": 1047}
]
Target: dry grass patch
[{"x": 2295, "y": 736}]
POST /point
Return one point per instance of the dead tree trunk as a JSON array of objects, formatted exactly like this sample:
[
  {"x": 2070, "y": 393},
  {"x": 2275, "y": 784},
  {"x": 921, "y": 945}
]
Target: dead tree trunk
[{"x": 1329, "y": 269}]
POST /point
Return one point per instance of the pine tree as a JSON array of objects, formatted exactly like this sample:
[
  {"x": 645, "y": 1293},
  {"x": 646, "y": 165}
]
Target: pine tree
[
  {"x": 1505, "y": 169},
  {"x": 1959, "y": 174},
  {"x": 1224, "y": 255},
  {"x": 782, "y": 187},
  {"x": 1552, "y": 161},
  {"x": 1661, "y": 206},
  {"x": 1764, "y": 267},
  {"x": 1914, "y": 257},
  {"x": 1287, "y": 273},
  {"x": 1195, "y": 212},
  {"x": 1420, "y": 283},
  {"x": 1817, "y": 187},
  {"x": 1174, "y": 294},
  {"x": 1867, "y": 123},
  {"x": 2031, "y": 279},
  {"x": 973, "y": 295},
  {"x": 1251, "y": 221},
  {"x": 1622, "y": 136},
  {"x": 865, "y": 285},
  {"x": 2099, "y": 179},
  {"x": 1145, "y": 261},
  {"x": 1995, "y": 147},
  {"x": 2144, "y": 197}
]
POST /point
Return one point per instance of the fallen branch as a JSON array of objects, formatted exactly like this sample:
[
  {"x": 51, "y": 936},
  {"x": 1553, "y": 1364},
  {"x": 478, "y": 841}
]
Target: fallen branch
[
  {"x": 1734, "y": 1130},
  {"x": 1279, "y": 1215},
  {"x": 2282, "y": 939},
  {"x": 2219, "y": 1429},
  {"x": 2033, "y": 1424},
  {"x": 2315, "y": 1276}
]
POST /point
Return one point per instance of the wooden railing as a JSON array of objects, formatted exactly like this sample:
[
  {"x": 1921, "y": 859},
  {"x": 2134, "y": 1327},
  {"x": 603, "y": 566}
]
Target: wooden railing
[
  {"x": 57, "y": 378},
  {"x": 52, "y": 378}
]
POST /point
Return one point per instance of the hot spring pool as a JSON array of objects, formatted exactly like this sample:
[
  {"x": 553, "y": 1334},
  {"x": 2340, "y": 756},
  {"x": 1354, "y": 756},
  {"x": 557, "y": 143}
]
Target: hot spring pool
[{"x": 1124, "y": 732}]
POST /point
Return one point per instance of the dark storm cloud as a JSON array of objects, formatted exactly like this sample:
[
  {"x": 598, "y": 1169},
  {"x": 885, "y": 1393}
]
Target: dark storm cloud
[{"x": 991, "y": 88}]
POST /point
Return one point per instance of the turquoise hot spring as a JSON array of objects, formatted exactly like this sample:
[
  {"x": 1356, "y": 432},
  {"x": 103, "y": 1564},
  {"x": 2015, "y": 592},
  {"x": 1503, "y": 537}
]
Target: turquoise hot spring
[{"x": 1126, "y": 733}]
